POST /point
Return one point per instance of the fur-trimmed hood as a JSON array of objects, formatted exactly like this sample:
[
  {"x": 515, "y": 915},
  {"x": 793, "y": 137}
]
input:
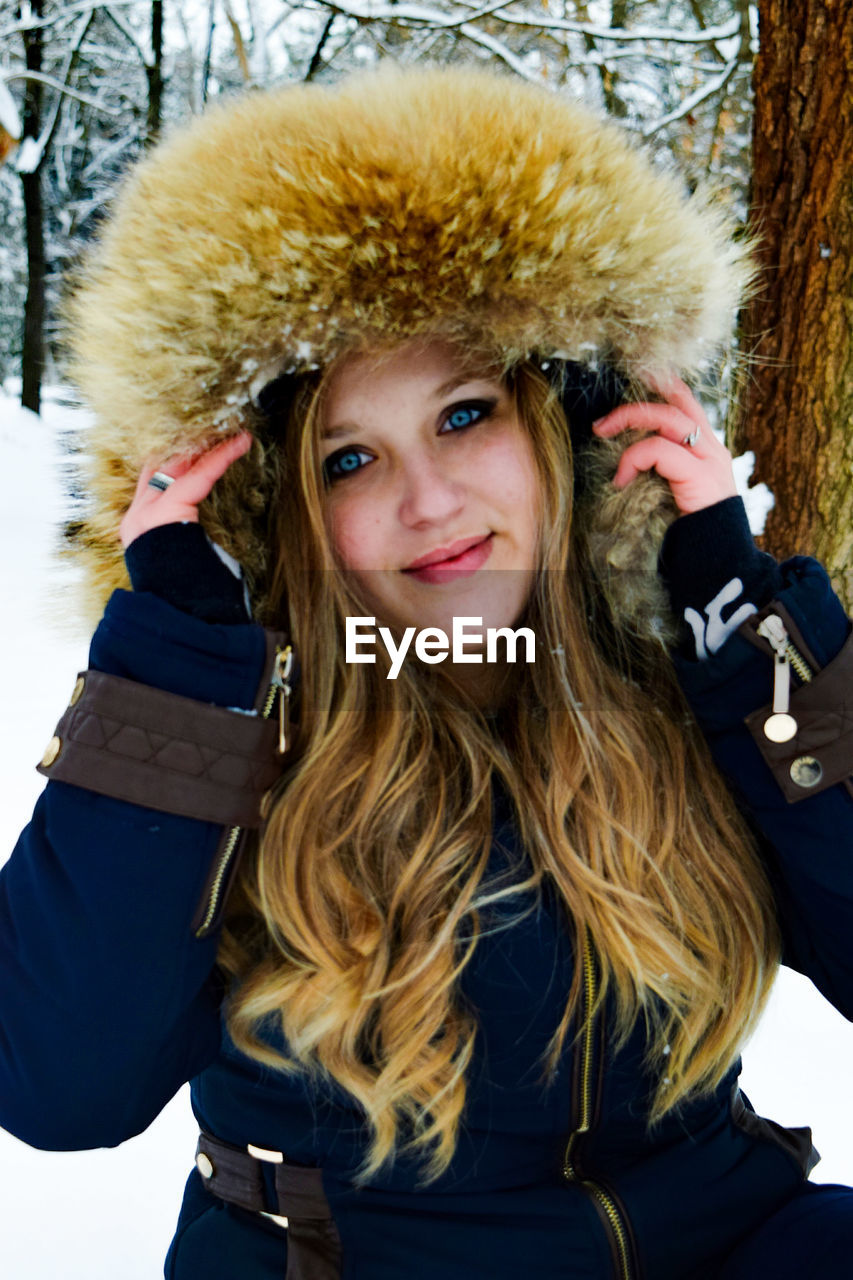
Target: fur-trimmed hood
[{"x": 262, "y": 237}]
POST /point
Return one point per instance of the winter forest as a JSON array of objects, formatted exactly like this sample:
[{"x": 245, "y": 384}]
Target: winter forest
[
  {"x": 88, "y": 87},
  {"x": 751, "y": 99}
]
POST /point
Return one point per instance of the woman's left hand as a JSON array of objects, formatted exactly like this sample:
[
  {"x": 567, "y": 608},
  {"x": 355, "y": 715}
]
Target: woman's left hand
[{"x": 698, "y": 473}]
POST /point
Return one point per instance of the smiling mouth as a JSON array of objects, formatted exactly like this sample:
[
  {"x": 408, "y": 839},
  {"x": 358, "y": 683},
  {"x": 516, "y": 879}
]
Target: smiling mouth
[
  {"x": 463, "y": 547},
  {"x": 463, "y": 564}
]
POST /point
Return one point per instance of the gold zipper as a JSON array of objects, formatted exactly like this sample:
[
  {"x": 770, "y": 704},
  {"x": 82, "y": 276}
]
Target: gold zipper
[
  {"x": 224, "y": 859},
  {"x": 585, "y": 1109},
  {"x": 615, "y": 1219},
  {"x": 570, "y": 1172},
  {"x": 279, "y": 687}
]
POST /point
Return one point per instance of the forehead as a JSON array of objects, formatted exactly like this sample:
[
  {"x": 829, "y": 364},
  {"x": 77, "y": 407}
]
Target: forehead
[{"x": 426, "y": 367}]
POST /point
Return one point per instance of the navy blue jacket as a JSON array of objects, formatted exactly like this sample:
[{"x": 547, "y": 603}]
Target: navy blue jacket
[{"x": 108, "y": 1004}]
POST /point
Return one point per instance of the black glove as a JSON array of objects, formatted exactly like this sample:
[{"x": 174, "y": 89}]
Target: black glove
[
  {"x": 715, "y": 574},
  {"x": 178, "y": 563}
]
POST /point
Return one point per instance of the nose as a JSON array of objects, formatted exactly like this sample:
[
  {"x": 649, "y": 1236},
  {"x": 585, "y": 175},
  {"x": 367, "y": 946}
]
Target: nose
[{"x": 431, "y": 491}]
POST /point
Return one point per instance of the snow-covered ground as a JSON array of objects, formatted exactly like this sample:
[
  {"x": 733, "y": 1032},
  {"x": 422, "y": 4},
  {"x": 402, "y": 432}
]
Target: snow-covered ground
[{"x": 97, "y": 1215}]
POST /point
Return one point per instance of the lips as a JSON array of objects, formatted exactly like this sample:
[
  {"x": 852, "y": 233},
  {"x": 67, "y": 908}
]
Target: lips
[
  {"x": 472, "y": 556},
  {"x": 444, "y": 554}
]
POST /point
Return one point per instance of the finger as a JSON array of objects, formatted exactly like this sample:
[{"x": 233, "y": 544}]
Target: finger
[
  {"x": 695, "y": 482},
  {"x": 196, "y": 483},
  {"x": 669, "y": 422},
  {"x": 195, "y": 474},
  {"x": 174, "y": 466},
  {"x": 676, "y": 392},
  {"x": 670, "y": 460}
]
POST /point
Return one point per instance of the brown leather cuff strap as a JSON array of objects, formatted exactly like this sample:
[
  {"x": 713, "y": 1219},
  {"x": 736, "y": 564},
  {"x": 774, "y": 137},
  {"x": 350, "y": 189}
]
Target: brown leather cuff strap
[
  {"x": 298, "y": 1200},
  {"x": 821, "y": 752},
  {"x": 163, "y": 751}
]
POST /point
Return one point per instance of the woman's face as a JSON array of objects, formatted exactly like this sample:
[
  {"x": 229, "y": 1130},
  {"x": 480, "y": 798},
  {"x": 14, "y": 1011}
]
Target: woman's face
[{"x": 419, "y": 469}]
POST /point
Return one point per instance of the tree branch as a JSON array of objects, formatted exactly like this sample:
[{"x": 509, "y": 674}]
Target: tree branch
[
  {"x": 423, "y": 14},
  {"x": 694, "y": 100},
  {"x": 128, "y": 33},
  {"x": 63, "y": 88}
]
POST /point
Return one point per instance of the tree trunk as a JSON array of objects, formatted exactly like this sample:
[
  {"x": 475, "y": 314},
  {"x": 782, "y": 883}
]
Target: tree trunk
[
  {"x": 32, "y": 358},
  {"x": 155, "y": 74},
  {"x": 798, "y": 401}
]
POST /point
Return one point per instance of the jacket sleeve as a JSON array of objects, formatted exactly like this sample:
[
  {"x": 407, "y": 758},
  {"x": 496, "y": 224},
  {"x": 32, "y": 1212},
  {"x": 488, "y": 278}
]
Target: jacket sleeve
[
  {"x": 109, "y": 1001},
  {"x": 806, "y": 838}
]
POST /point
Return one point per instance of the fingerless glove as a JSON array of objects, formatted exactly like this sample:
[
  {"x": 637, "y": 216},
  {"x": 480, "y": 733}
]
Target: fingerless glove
[
  {"x": 179, "y": 563},
  {"x": 715, "y": 575}
]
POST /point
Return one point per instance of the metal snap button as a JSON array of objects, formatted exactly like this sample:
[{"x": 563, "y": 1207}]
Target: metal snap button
[
  {"x": 780, "y": 727},
  {"x": 51, "y": 751},
  {"x": 77, "y": 691},
  {"x": 806, "y": 771},
  {"x": 204, "y": 1164}
]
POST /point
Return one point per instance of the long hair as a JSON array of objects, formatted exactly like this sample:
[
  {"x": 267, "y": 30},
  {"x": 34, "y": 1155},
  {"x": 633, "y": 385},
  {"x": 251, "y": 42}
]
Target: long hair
[{"x": 360, "y": 906}]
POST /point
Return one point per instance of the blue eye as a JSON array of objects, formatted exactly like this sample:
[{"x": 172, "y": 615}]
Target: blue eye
[
  {"x": 343, "y": 463},
  {"x": 346, "y": 461},
  {"x": 459, "y": 417}
]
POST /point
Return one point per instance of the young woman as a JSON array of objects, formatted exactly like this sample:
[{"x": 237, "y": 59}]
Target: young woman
[{"x": 457, "y": 955}]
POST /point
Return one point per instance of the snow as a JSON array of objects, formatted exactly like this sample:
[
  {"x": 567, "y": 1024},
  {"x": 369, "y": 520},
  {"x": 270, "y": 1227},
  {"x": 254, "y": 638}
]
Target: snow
[
  {"x": 9, "y": 119},
  {"x": 30, "y": 154},
  {"x": 97, "y": 1214},
  {"x": 757, "y": 499},
  {"x": 75, "y": 1215}
]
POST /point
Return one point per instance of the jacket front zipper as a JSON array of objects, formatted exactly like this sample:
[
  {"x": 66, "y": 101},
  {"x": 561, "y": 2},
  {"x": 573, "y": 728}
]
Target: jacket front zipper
[
  {"x": 780, "y": 725},
  {"x": 612, "y": 1215},
  {"x": 279, "y": 687}
]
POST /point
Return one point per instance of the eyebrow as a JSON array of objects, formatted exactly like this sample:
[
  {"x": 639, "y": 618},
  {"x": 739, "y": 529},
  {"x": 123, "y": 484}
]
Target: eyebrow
[{"x": 344, "y": 428}]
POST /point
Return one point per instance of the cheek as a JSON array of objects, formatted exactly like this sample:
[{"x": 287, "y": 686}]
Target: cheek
[
  {"x": 510, "y": 471},
  {"x": 356, "y": 534}
]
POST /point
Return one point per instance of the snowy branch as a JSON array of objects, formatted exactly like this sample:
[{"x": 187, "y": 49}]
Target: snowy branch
[
  {"x": 62, "y": 19},
  {"x": 63, "y": 88},
  {"x": 437, "y": 21},
  {"x": 129, "y": 34},
  {"x": 423, "y": 14},
  {"x": 33, "y": 150},
  {"x": 9, "y": 118},
  {"x": 693, "y": 100}
]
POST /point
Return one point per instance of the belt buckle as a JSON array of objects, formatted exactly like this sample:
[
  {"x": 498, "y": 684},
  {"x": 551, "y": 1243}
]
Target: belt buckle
[{"x": 271, "y": 1157}]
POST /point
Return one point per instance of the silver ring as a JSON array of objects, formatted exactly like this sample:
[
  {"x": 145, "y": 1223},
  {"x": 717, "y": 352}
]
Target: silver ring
[
  {"x": 160, "y": 480},
  {"x": 692, "y": 438}
]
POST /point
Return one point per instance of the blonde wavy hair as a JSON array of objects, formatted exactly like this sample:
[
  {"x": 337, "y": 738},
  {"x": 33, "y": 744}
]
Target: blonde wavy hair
[{"x": 357, "y": 911}]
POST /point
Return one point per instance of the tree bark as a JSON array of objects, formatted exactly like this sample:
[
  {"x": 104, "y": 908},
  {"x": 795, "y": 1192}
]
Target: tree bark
[
  {"x": 32, "y": 357},
  {"x": 798, "y": 405},
  {"x": 155, "y": 74}
]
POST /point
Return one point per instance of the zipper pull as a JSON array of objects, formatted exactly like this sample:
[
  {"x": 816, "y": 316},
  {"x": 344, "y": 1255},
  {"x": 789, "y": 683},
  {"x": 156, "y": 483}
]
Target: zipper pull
[
  {"x": 780, "y": 726},
  {"x": 281, "y": 672}
]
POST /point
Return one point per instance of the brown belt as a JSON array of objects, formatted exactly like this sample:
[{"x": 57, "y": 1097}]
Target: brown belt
[{"x": 298, "y": 1202}]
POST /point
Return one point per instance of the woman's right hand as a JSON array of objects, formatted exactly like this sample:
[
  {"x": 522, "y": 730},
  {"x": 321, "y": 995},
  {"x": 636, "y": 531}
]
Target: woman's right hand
[{"x": 194, "y": 477}]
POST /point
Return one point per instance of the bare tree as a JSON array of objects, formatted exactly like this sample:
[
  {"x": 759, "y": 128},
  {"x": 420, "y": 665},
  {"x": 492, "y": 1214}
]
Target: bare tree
[
  {"x": 32, "y": 360},
  {"x": 674, "y": 71},
  {"x": 154, "y": 72}
]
